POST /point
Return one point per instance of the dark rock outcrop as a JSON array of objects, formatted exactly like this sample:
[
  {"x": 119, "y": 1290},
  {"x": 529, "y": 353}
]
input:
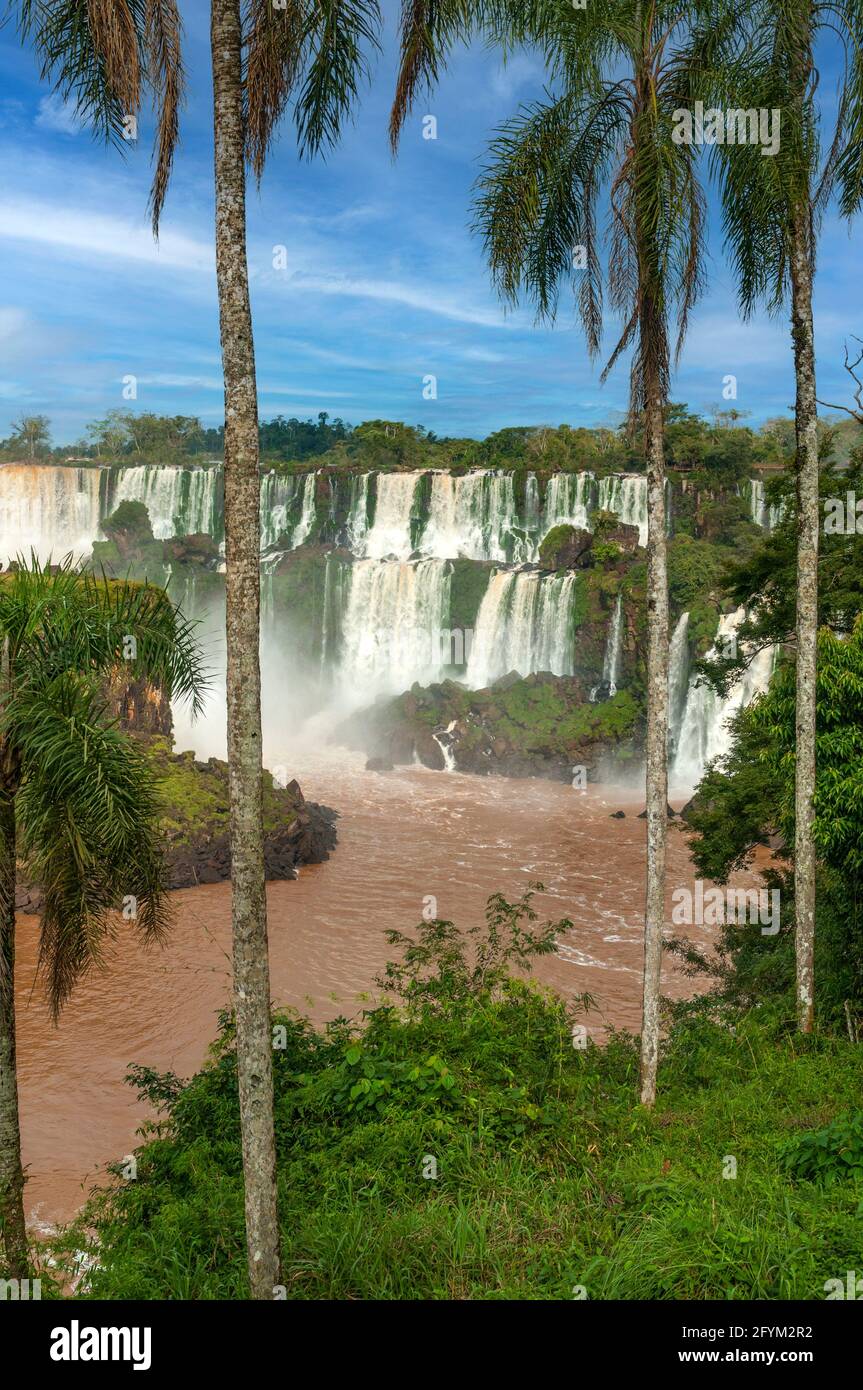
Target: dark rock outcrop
[{"x": 195, "y": 825}]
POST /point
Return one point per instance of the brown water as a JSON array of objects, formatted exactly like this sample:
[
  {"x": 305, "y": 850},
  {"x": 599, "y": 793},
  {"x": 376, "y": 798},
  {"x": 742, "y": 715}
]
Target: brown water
[{"x": 402, "y": 837}]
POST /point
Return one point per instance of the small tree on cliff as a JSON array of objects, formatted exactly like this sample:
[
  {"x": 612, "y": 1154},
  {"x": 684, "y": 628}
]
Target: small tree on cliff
[{"x": 77, "y": 798}]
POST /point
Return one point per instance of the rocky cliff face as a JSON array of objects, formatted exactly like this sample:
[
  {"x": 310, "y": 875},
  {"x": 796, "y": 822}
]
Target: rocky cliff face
[
  {"x": 539, "y": 726},
  {"x": 195, "y": 824}
]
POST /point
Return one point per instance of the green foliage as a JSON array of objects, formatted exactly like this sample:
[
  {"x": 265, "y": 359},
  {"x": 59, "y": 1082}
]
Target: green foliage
[
  {"x": 460, "y": 1147},
  {"x": 749, "y": 796},
  {"x": 606, "y": 553},
  {"x": 831, "y": 1154},
  {"x": 80, "y": 793},
  {"x": 130, "y": 519},
  {"x": 553, "y": 543},
  {"x": 444, "y": 968},
  {"x": 468, "y": 583}
]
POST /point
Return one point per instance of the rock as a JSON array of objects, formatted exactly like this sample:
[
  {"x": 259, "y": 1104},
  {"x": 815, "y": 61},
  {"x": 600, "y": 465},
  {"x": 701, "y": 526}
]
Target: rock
[
  {"x": 627, "y": 537},
  {"x": 506, "y": 682},
  {"x": 429, "y": 751},
  {"x": 617, "y": 815},
  {"x": 379, "y": 765},
  {"x": 565, "y": 548},
  {"x": 642, "y": 815},
  {"x": 198, "y": 549}
]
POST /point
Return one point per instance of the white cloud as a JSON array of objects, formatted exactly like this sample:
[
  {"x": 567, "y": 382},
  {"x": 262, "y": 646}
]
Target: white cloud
[
  {"x": 396, "y": 292},
  {"x": 57, "y": 115},
  {"x": 89, "y": 236},
  {"x": 213, "y": 383}
]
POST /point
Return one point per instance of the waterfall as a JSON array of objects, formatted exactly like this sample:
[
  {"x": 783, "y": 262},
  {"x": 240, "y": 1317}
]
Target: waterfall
[
  {"x": 395, "y": 616},
  {"x": 524, "y": 624},
  {"x": 391, "y": 532},
  {"x": 768, "y": 517},
  {"x": 569, "y": 500},
  {"x": 307, "y": 516},
  {"x": 180, "y": 501},
  {"x": 757, "y": 505},
  {"x": 704, "y": 733},
  {"x": 613, "y": 657},
  {"x": 443, "y": 739},
  {"x": 471, "y": 517},
  {"x": 678, "y": 678},
  {"x": 358, "y": 513},
  {"x": 52, "y": 511},
  {"x": 626, "y": 494},
  {"x": 531, "y": 503}
]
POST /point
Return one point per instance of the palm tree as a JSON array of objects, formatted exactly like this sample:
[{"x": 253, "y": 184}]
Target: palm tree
[
  {"x": 605, "y": 128},
  {"x": 314, "y": 54},
  {"x": 78, "y": 801},
  {"x": 772, "y": 209}
]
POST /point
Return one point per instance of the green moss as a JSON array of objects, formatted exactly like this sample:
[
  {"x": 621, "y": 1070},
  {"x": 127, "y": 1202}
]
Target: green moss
[
  {"x": 468, "y": 583},
  {"x": 194, "y": 795},
  {"x": 553, "y": 544}
]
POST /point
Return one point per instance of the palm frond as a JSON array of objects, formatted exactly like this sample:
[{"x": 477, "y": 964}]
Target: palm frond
[
  {"x": 275, "y": 42},
  {"x": 86, "y": 808},
  {"x": 340, "y": 36},
  {"x": 428, "y": 30},
  {"x": 91, "y": 53},
  {"x": 163, "y": 38}
]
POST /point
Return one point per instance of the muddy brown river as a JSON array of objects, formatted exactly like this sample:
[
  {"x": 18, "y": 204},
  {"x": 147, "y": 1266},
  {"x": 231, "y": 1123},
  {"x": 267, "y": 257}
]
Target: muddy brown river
[{"x": 403, "y": 837}]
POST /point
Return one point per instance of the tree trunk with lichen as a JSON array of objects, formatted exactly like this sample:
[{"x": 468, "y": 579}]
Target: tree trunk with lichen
[
  {"x": 13, "y": 1232},
  {"x": 657, "y": 735},
  {"x": 242, "y": 595},
  {"x": 808, "y": 521}
]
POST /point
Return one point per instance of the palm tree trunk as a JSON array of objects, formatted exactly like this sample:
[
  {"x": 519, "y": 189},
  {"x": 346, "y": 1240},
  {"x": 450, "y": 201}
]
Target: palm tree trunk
[
  {"x": 657, "y": 733},
  {"x": 243, "y": 597},
  {"x": 13, "y": 1234},
  {"x": 808, "y": 520}
]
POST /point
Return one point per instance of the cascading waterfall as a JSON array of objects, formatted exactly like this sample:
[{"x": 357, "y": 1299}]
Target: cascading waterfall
[
  {"x": 180, "y": 501},
  {"x": 395, "y": 615},
  {"x": 444, "y": 742},
  {"x": 757, "y": 505},
  {"x": 612, "y": 660},
  {"x": 390, "y": 535},
  {"x": 678, "y": 678},
  {"x": 768, "y": 517},
  {"x": 358, "y": 513},
  {"x": 626, "y": 494},
  {"x": 474, "y": 517},
  {"x": 569, "y": 500},
  {"x": 51, "y": 511},
  {"x": 704, "y": 732},
  {"x": 524, "y": 624},
  {"x": 307, "y": 516}
]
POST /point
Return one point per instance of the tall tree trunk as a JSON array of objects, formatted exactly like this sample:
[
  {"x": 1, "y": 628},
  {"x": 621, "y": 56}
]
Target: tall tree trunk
[
  {"x": 657, "y": 732},
  {"x": 243, "y": 599},
  {"x": 13, "y": 1234},
  {"x": 808, "y": 521}
]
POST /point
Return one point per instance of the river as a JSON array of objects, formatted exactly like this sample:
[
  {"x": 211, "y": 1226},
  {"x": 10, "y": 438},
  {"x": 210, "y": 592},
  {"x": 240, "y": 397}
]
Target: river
[{"x": 403, "y": 836}]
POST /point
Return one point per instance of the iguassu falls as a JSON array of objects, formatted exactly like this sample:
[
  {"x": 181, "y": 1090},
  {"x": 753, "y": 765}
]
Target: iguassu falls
[
  {"x": 425, "y": 636},
  {"x": 431, "y": 672}
]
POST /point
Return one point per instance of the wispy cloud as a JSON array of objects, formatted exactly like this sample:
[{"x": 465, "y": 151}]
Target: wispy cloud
[
  {"x": 91, "y": 236},
  {"x": 57, "y": 115},
  {"x": 398, "y": 292}
]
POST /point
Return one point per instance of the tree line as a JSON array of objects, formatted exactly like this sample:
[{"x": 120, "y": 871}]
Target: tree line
[{"x": 585, "y": 192}]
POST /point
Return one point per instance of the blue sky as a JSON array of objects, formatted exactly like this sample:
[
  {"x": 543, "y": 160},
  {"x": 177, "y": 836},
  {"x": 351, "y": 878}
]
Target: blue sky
[{"x": 384, "y": 282}]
